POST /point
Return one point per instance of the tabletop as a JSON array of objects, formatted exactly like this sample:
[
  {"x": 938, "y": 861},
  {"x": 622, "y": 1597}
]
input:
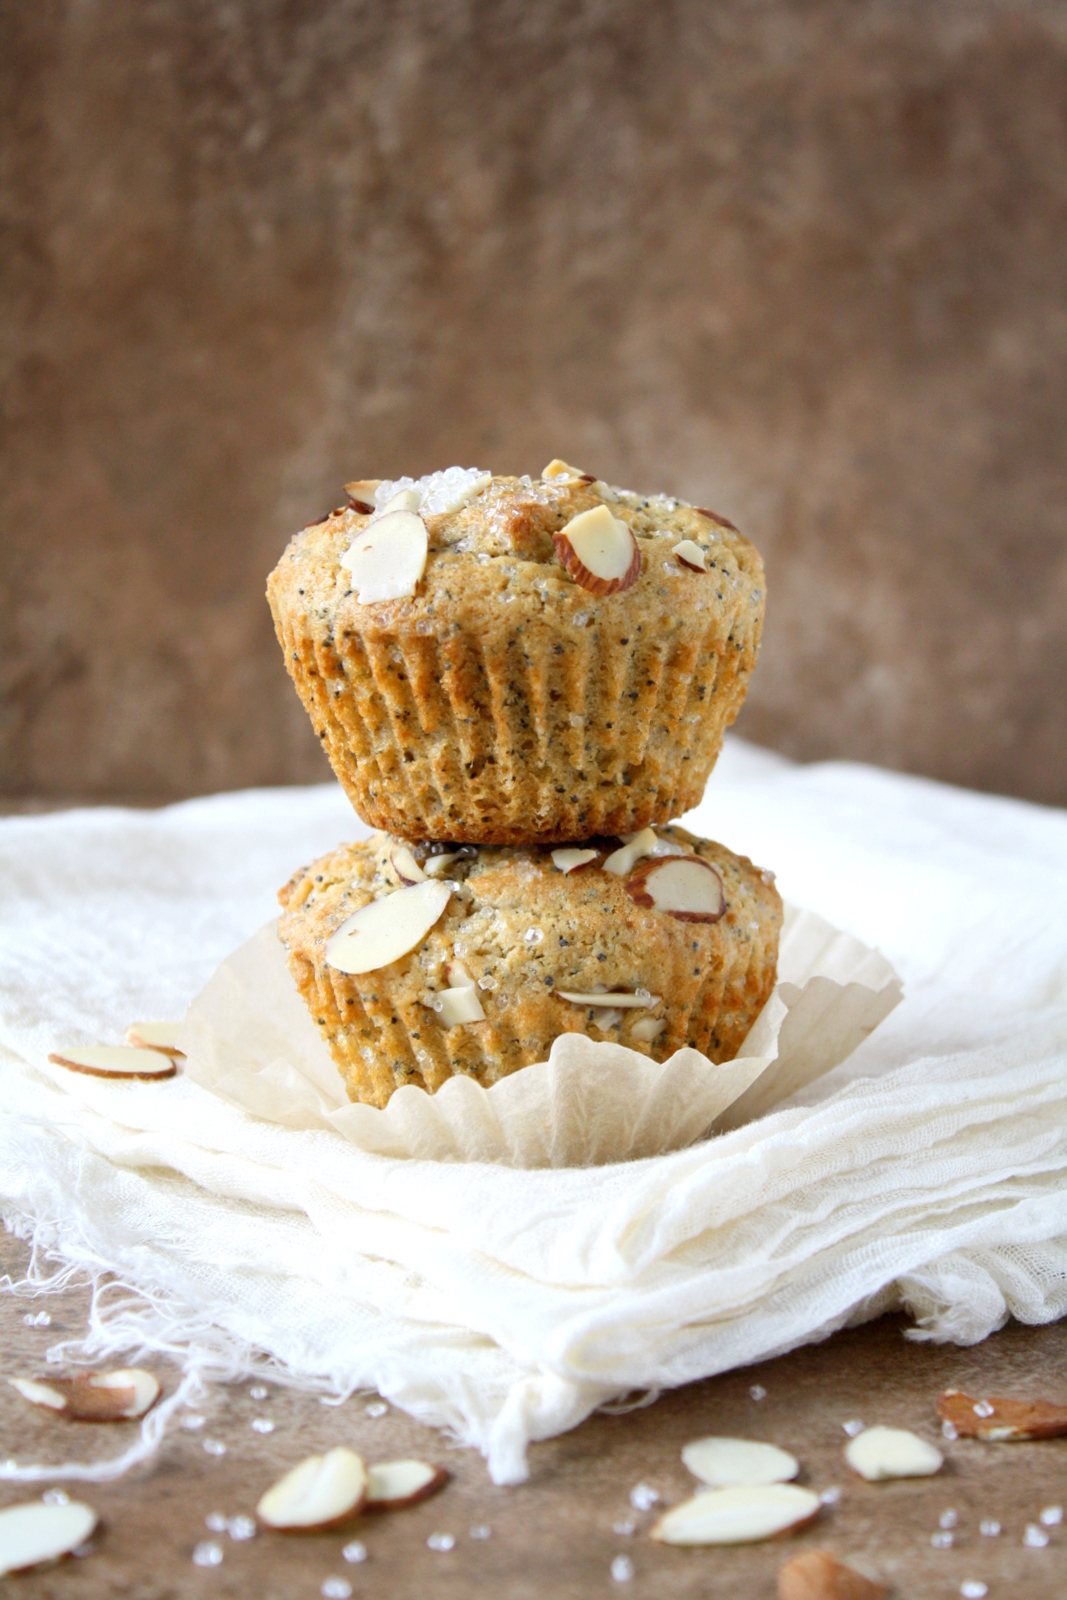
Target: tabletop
[{"x": 562, "y": 1533}]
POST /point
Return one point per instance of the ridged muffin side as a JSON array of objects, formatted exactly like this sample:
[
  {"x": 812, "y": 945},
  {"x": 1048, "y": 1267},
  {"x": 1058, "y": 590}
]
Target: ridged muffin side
[
  {"x": 523, "y": 931},
  {"x": 503, "y": 702}
]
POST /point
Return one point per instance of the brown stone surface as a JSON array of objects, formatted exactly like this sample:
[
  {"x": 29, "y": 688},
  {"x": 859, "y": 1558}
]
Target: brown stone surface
[
  {"x": 553, "y": 1537},
  {"x": 803, "y": 262}
]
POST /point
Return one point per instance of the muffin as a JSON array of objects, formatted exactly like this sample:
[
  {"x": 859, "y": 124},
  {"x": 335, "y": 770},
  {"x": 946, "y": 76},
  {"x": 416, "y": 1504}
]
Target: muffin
[
  {"x": 531, "y": 659},
  {"x": 422, "y": 962}
]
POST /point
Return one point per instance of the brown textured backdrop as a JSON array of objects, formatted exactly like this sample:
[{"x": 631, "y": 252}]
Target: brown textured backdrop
[{"x": 806, "y": 263}]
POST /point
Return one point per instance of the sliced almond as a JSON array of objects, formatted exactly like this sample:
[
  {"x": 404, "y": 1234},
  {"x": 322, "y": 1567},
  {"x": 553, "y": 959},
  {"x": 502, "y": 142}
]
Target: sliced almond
[
  {"x": 724, "y": 1463},
  {"x": 384, "y": 930},
  {"x": 608, "y": 1019},
  {"x": 881, "y": 1453},
  {"x": 1000, "y": 1418},
  {"x": 388, "y": 557},
  {"x": 35, "y": 1532},
  {"x": 559, "y": 471},
  {"x": 603, "y": 998},
  {"x": 570, "y": 860},
  {"x": 117, "y": 1396},
  {"x": 648, "y": 1029},
  {"x": 437, "y": 866},
  {"x": 454, "y": 1006},
  {"x": 739, "y": 1515},
  {"x": 362, "y": 489},
  {"x": 691, "y": 555},
  {"x": 819, "y": 1575},
  {"x": 687, "y": 887},
  {"x": 115, "y": 1061},
  {"x": 39, "y": 1394},
  {"x": 405, "y": 866},
  {"x": 403, "y": 500},
  {"x": 321, "y": 1492},
  {"x": 155, "y": 1036},
  {"x": 713, "y": 516},
  {"x": 392, "y": 1485},
  {"x": 599, "y": 551},
  {"x": 635, "y": 846},
  {"x": 458, "y": 976}
]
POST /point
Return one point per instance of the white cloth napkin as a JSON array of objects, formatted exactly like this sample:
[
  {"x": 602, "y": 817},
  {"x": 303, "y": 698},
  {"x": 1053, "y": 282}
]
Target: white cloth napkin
[{"x": 929, "y": 1171}]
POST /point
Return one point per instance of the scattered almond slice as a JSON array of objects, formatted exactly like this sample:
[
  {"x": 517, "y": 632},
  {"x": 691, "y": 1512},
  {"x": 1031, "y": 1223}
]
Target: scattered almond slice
[
  {"x": 713, "y": 516},
  {"x": 599, "y": 551},
  {"x": 155, "y": 1036},
  {"x": 119, "y": 1396},
  {"x": 405, "y": 866},
  {"x": 559, "y": 471},
  {"x": 819, "y": 1575},
  {"x": 635, "y": 847},
  {"x": 388, "y": 557},
  {"x": 690, "y": 555},
  {"x": 362, "y": 489},
  {"x": 384, "y": 930},
  {"x": 610, "y": 1018},
  {"x": 1000, "y": 1418},
  {"x": 321, "y": 1492},
  {"x": 881, "y": 1453},
  {"x": 453, "y": 1006},
  {"x": 603, "y": 998},
  {"x": 725, "y": 1463},
  {"x": 403, "y": 500},
  {"x": 648, "y": 1029},
  {"x": 458, "y": 976},
  {"x": 115, "y": 1061},
  {"x": 392, "y": 1485},
  {"x": 686, "y": 887},
  {"x": 437, "y": 866},
  {"x": 39, "y": 1394},
  {"x": 35, "y": 1532},
  {"x": 740, "y": 1515},
  {"x": 570, "y": 860}
]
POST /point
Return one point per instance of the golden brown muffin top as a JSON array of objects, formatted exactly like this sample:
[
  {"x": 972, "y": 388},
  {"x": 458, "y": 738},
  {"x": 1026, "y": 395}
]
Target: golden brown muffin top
[{"x": 499, "y": 546}]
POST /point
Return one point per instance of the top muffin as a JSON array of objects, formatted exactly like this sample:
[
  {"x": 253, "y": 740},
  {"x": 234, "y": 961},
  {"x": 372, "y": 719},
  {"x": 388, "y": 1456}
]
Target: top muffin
[{"x": 505, "y": 660}]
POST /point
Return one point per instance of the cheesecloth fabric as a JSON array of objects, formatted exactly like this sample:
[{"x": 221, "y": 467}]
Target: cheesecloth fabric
[{"x": 928, "y": 1172}]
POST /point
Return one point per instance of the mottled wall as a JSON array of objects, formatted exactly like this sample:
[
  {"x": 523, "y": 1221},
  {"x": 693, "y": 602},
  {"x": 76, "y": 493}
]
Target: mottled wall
[{"x": 806, "y": 263}]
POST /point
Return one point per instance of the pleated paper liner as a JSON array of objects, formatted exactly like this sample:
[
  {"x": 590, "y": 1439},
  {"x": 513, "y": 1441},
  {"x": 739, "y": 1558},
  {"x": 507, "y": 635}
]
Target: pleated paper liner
[{"x": 249, "y": 1038}]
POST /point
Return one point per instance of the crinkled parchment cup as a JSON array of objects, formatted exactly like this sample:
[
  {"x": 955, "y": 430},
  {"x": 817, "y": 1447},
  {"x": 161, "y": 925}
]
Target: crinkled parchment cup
[{"x": 249, "y": 1038}]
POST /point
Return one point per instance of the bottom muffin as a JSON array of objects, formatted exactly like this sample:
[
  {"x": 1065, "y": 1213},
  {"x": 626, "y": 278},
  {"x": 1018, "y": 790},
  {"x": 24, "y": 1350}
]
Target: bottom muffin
[{"x": 422, "y": 962}]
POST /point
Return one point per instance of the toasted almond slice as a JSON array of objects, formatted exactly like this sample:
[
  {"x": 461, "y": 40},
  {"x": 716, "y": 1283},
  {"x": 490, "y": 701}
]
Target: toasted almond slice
[
  {"x": 363, "y": 489},
  {"x": 724, "y": 1463},
  {"x": 570, "y": 860},
  {"x": 603, "y": 998},
  {"x": 437, "y": 866},
  {"x": 34, "y": 1532},
  {"x": 393, "y": 1485},
  {"x": 686, "y": 887},
  {"x": 559, "y": 471},
  {"x": 39, "y": 1394},
  {"x": 1001, "y": 1419},
  {"x": 713, "y": 516},
  {"x": 739, "y": 1515},
  {"x": 403, "y": 500},
  {"x": 388, "y": 557},
  {"x": 458, "y": 1005},
  {"x": 599, "y": 551},
  {"x": 880, "y": 1453},
  {"x": 405, "y": 866},
  {"x": 690, "y": 555},
  {"x": 117, "y": 1396},
  {"x": 458, "y": 976},
  {"x": 155, "y": 1036},
  {"x": 626, "y": 857},
  {"x": 819, "y": 1575},
  {"x": 648, "y": 1029},
  {"x": 321, "y": 1492},
  {"x": 115, "y": 1061},
  {"x": 384, "y": 930}
]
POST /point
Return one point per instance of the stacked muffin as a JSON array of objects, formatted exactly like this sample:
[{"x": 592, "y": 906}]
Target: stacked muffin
[{"x": 520, "y": 682}]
